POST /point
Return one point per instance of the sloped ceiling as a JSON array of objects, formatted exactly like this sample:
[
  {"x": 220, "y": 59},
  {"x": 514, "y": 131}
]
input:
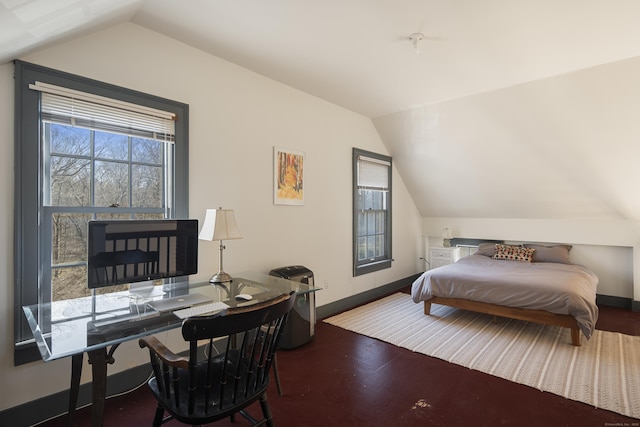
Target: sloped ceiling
[
  {"x": 563, "y": 147},
  {"x": 511, "y": 109}
]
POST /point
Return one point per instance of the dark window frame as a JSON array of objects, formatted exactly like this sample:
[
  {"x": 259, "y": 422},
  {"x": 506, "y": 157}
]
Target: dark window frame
[
  {"x": 28, "y": 191},
  {"x": 361, "y": 267}
]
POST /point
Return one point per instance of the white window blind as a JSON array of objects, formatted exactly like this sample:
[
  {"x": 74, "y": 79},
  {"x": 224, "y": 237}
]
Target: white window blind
[
  {"x": 76, "y": 108},
  {"x": 373, "y": 173}
]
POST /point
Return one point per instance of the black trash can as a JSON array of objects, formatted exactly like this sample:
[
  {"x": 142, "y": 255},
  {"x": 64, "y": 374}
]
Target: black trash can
[{"x": 301, "y": 324}]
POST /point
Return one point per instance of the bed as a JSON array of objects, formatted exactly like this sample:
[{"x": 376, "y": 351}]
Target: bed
[{"x": 535, "y": 283}]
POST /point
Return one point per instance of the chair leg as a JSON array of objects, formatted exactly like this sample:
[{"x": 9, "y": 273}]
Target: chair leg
[
  {"x": 276, "y": 374},
  {"x": 266, "y": 410},
  {"x": 157, "y": 419}
]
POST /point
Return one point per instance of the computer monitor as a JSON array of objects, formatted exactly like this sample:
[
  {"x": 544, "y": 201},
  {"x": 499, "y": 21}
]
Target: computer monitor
[{"x": 128, "y": 251}]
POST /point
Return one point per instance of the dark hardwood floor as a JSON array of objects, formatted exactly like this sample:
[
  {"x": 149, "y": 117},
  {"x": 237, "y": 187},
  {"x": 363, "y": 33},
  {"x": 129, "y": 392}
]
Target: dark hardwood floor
[{"x": 344, "y": 379}]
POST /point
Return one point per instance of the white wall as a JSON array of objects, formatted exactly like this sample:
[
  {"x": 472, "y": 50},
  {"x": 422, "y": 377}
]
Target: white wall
[
  {"x": 236, "y": 118},
  {"x": 561, "y": 147}
]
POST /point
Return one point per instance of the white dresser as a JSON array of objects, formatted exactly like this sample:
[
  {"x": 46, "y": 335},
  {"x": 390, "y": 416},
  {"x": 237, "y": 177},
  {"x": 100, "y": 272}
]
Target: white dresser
[{"x": 443, "y": 256}]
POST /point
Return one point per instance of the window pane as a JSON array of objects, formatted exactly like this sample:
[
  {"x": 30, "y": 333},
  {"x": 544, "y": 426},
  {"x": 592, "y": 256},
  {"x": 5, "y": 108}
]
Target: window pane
[
  {"x": 381, "y": 197},
  {"x": 372, "y": 199},
  {"x": 360, "y": 200},
  {"x": 362, "y": 248},
  {"x": 111, "y": 146},
  {"x": 368, "y": 199},
  {"x": 111, "y": 184},
  {"x": 371, "y": 222},
  {"x": 375, "y": 200},
  {"x": 146, "y": 151},
  {"x": 146, "y": 186},
  {"x": 149, "y": 216},
  {"x": 69, "y": 140},
  {"x": 371, "y": 246},
  {"x": 69, "y": 238},
  {"x": 362, "y": 224},
  {"x": 69, "y": 282},
  {"x": 380, "y": 224},
  {"x": 108, "y": 216},
  {"x": 380, "y": 252},
  {"x": 70, "y": 181}
]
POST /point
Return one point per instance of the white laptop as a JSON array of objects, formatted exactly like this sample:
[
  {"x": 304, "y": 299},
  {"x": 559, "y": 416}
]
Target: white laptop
[{"x": 179, "y": 302}]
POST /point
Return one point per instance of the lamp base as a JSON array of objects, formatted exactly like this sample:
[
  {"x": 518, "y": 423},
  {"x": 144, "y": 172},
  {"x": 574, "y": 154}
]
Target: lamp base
[{"x": 220, "y": 277}]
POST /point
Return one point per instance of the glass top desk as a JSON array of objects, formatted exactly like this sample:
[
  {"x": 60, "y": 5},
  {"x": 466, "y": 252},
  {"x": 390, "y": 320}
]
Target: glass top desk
[{"x": 92, "y": 324}]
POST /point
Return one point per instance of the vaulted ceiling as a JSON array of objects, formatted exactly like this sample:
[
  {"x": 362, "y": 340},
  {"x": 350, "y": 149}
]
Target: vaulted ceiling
[{"x": 496, "y": 88}]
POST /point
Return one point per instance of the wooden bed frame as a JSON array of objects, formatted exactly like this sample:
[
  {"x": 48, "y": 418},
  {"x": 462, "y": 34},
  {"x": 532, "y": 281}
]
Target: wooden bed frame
[{"x": 538, "y": 316}]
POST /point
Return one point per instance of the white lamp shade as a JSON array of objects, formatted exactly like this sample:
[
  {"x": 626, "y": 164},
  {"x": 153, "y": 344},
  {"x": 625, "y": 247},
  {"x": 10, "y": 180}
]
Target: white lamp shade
[
  {"x": 219, "y": 224},
  {"x": 446, "y": 233}
]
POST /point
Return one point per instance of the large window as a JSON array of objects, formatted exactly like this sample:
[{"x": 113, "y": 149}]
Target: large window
[
  {"x": 371, "y": 212},
  {"x": 85, "y": 150}
]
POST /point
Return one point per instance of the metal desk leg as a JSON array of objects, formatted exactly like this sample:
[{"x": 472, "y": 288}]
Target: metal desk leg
[
  {"x": 99, "y": 359},
  {"x": 76, "y": 373}
]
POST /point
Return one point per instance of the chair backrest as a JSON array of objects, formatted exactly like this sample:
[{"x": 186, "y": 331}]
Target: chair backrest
[{"x": 225, "y": 382}]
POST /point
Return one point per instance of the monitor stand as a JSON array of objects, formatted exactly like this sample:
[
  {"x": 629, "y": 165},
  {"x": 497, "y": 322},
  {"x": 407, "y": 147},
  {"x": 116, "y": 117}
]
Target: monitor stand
[{"x": 145, "y": 290}]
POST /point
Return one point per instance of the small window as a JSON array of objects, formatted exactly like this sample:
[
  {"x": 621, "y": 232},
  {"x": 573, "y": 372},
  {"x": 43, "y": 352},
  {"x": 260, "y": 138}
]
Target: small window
[{"x": 371, "y": 212}]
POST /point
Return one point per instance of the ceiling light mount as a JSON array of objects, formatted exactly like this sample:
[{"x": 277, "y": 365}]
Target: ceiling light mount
[{"x": 416, "y": 38}]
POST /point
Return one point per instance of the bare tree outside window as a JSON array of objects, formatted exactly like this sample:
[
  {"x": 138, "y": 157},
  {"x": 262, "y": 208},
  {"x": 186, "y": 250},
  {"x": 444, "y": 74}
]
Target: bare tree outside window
[{"x": 90, "y": 169}]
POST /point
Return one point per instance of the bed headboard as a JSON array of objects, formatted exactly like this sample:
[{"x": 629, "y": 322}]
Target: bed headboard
[{"x": 473, "y": 243}]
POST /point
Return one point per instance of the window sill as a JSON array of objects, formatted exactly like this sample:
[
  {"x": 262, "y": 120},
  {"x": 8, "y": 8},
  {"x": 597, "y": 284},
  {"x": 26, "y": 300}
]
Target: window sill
[{"x": 371, "y": 267}]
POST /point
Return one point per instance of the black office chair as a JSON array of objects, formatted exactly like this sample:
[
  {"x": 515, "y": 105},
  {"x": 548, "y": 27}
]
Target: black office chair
[{"x": 219, "y": 385}]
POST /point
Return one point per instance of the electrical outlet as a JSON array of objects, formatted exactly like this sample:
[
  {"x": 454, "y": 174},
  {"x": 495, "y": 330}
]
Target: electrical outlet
[{"x": 326, "y": 284}]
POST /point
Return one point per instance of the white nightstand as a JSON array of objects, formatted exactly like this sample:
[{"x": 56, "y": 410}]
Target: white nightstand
[{"x": 443, "y": 256}]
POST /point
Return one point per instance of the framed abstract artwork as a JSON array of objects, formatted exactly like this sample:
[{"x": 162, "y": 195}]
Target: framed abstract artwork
[{"x": 288, "y": 179}]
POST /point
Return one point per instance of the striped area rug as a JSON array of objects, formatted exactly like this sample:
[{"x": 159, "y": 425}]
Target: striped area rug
[{"x": 604, "y": 372}]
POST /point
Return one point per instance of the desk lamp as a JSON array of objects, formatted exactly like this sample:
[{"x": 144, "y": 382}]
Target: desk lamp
[{"x": 219, "y": 224}]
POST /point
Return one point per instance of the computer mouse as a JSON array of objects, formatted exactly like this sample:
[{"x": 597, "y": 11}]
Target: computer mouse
[{"x": 243, "y": 297}]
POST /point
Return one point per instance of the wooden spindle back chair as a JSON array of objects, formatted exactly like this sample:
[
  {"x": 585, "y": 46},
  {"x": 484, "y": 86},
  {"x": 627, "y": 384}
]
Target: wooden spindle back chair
[{"x": 201, "y": 389}]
